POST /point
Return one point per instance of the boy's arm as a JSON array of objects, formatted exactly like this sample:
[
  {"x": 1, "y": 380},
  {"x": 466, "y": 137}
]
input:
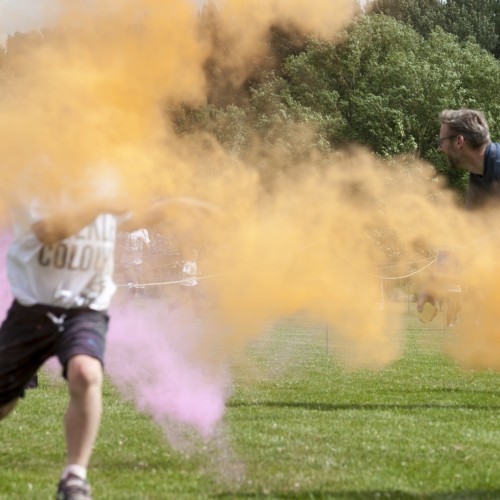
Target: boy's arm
[
  {"x": 168, "y": 208},
  {"x": 58, "y": 226}
]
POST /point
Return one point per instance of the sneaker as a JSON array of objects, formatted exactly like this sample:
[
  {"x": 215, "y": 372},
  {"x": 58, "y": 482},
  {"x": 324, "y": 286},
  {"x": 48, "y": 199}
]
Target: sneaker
[{"x": 73, "y": 487}]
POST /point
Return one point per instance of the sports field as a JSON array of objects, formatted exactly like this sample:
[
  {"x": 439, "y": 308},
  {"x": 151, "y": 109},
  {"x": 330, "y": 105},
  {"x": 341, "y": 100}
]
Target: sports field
[{"x": 297, "y": 425}]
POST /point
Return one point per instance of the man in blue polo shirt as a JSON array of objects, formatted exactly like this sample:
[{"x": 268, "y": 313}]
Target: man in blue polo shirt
[{"x": 464, "y": 138}]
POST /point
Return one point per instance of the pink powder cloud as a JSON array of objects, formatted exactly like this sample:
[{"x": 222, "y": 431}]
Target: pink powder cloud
[
  {"x": 5, "y": 295},
  {"x": 152, "y": 358}
]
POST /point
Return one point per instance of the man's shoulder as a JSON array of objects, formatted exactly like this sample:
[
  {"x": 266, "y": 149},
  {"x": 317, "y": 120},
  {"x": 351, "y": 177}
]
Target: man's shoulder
[
  {"x": 493, "y": 150},
  {"x": 493, "y": 159}
]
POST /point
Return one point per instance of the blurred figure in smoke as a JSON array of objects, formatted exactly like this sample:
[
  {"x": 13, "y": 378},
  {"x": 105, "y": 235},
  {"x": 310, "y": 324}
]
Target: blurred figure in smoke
[
  {"x": 190, "y": 270},
  {"x": 448, "y": 273},
  {"x": 60, "y": 268},
  {"x": 189, "y": 284},
  {"x": 187, "y": 294},
  {"x": 464, "y": 138},
  {"x": 132, "y": 257}
]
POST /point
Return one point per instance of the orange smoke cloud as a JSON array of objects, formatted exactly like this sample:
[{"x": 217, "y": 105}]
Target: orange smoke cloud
[
  {"x": 244, "y": 27},
  {"x": 94, "y": 90},
  {"x": 85, "y": 108}
]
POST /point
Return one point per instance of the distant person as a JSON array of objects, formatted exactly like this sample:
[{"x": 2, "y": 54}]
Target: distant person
[
  {"x": 190, "y": 270},
  {"x": 447, "y": 271},
  {"x": 132, "y": 257},
  {"x": 189, "y": 282},
  {"x": 464, "y": 138}
]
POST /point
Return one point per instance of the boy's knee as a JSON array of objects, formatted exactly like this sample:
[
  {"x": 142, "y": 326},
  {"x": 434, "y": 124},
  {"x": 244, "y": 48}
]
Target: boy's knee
[{"x": 84, "y": 372}]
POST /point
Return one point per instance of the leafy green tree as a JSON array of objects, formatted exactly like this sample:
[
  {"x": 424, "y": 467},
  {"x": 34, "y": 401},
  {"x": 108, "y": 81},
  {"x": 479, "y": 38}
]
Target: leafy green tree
[
  {"x": 362, "y": 83},
  {"x": 475, "y": 19},
  {"x": 229, "y": 125},
  {"x": 422, "y": 15}
]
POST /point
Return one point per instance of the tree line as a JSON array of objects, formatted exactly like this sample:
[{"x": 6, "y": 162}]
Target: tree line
[{"x": 381, "y": 84}]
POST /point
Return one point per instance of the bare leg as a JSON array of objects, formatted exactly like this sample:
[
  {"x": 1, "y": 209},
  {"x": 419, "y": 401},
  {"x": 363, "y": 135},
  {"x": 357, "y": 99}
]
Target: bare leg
[
  {"x": 7, "y": 408},
  {"x": 83, "y": 415}
]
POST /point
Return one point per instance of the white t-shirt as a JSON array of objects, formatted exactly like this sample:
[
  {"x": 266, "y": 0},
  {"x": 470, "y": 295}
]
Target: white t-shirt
[{"x": 74, "y": 272}]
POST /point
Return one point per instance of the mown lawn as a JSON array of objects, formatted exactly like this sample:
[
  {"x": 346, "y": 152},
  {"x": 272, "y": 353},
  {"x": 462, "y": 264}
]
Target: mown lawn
[{"x": 297, "y": 426}]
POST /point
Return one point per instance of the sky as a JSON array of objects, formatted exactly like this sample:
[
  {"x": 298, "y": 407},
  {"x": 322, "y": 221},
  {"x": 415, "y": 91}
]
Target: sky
[
  {"x": 23, "y": 15},
  {"x": 27, "y": 15}
]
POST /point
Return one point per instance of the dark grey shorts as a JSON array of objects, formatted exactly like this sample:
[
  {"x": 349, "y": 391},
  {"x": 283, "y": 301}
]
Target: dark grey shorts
[{"x": 30, "y": 335}]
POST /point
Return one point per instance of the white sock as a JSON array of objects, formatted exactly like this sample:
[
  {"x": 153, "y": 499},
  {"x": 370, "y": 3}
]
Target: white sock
[{"x": 77, "y": 470}]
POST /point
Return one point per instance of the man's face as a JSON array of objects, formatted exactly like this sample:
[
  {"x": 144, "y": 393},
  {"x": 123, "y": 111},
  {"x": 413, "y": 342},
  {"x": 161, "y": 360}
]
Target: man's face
[{"x": 447, "y": 146}]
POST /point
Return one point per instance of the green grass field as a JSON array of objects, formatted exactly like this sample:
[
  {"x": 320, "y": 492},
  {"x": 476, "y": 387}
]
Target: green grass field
[{"x": 296, "y": 426}]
